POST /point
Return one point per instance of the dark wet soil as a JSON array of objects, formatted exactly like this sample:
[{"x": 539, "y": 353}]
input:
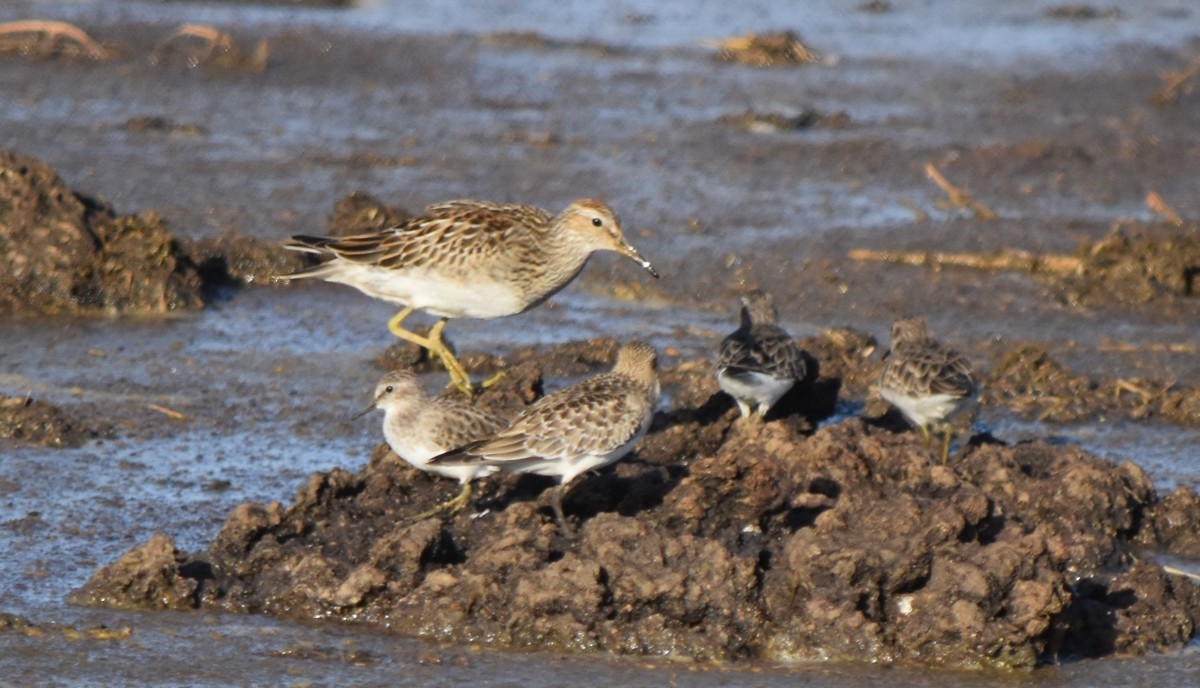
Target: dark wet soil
[
  {"x": 718, "y": 539},
  {"x": 26, "y": 419},
  {"x": 721, "y": 539}
]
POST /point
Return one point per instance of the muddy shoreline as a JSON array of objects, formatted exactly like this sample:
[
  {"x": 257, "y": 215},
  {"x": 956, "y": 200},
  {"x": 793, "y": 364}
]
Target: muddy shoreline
[
  {"x": 723, "y": 539},
  {"x": 812, "y": 537}
]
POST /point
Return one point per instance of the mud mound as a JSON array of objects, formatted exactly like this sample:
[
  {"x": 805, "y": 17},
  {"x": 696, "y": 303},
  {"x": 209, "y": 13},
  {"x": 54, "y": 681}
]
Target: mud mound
[
  {"x": 719, "y": 539},
  {"x": 1031, "y": 382},
  {"x": 1137, "y": 264},
  {"x": 357, "y": 213},
  {"x": 238, "y": 260},
  {"x": 63, "y": 253},
  {"x": 30, "y": 420}
]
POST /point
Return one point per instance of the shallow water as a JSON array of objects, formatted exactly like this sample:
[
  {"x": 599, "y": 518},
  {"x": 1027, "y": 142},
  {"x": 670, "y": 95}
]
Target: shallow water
[{"x": 269, "y": 378}]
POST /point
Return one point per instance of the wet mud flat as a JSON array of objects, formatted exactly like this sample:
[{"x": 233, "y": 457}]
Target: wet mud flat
[
  {"x": 718, "y": 539},
  {"x": 723, "y": 539}
]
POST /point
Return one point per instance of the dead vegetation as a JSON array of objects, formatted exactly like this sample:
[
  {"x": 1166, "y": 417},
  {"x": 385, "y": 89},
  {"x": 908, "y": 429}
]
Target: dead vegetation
[
  {"x": 200, "y": 44},
  {"x": 195, "y": 45},
  {"x": 956, "y": 197},
  {"x": 1031, "y": 382},
  {"x": 1176, "y": 85},
  {"x": 1133, "y": 264},
  {"x": 766, "y": 50},
  {"x": 41, "y": 39}
]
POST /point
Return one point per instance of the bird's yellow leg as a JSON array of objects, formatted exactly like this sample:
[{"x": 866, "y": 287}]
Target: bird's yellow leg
[
  {"x": 434, "y": 344},
  {"x": 946, "y": 446},
  {"x": 496, "y": 377},
  {"x": 394, "y": 328},
  {"x": 459, "y": 377},
  {"x": 451, "y": 506}
]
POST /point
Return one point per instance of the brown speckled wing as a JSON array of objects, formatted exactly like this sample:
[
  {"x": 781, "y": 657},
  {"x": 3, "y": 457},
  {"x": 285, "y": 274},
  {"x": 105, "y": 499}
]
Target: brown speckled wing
[
  {"x": 456, "y": 423},
  {"x": 929, "y": 368},
  {"x": 464, "y": 231},
  {"x": 764, "y": 349},
  {"x": 596, "y": 416}
]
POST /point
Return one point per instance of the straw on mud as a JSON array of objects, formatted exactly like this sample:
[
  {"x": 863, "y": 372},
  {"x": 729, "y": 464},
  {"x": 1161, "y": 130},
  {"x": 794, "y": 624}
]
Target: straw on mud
[
  {"x": 1008, "y": 259},
  {"x": 169, "y": 413},
  {"x": 1157, "y": 347},
  {"x": 1181, "y": 572},
  {"x": 218, "y": 48},
  {"x": 958, "y": 198},
  {"x": 54, "y": 30},
  {"x": 766, "y": 50},
  {"x": 1158, "y": 205},
  {"x": 1174, "y": 85}
]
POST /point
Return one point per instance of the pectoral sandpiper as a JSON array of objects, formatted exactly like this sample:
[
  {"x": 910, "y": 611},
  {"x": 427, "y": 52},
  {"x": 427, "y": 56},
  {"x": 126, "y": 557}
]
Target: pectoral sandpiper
[
  {"x": 584, "y": 427},
  {"x": 469, "y": 259},
  {"x": 418, "y": 428},
  {"x": 929, "y": 382},
  {"x": 759, "y": 362}
]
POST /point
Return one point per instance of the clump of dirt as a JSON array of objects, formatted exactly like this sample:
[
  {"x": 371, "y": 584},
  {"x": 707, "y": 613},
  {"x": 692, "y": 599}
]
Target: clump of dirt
[
  {"x": 31, "y": 420},
  {"x": 63, "y": 253},
  {"x": 154, "y": 571},
  {"x": 767, "y": 50},
  {"x": 192, "y": 45},
  {"x": 1031, "y": 382},
  {"x": 720, "y": 538},
  {"x": 231, "y": 260},
  {"x": 1136, "y": 264},
  {"x": 358, "y": 213},
  {"x": 763, "y": 122}
]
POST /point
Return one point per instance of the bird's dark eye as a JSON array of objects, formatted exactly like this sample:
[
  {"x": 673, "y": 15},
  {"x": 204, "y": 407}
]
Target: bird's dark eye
[
  {"x": 389, "y": 389},
  {"x": 597, "y": 222}
]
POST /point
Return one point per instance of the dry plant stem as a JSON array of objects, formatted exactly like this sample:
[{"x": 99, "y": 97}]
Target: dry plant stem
[
  {"x": 1180, "y": 572},
  {"x": 958, "y": 197},
  {"x": 1171, "y": 90},
  {"x": 1005, "y": 259},
  {"x": 169, "y": 413},
  {"x": 1158, "y": 205},
  {"x": 218, "y": 43},
  {"x": 215, "y": 38},
  {"x": 1163, "y": 347},
  {"x": 54, "y": 30}
]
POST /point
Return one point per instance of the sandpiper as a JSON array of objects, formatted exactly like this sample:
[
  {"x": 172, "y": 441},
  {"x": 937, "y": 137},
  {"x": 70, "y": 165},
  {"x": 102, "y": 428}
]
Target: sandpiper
[
  {"x": 584, "y": 427},
  {"x": 417, "y": 428},
  {"x": 759, "y": 362},
  {"x": 469, "y": 259},
  {"x": 929, "y": 382}
]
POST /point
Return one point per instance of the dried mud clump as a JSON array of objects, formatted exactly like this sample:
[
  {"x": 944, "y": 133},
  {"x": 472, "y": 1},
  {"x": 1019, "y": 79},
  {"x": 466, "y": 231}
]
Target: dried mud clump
[
  {"x": 766, "y": 50},
  {"x": 154, "y": 574},
  {"x": 720, "y": 539},
  {"x": 358, "y": 213},
  {"x": 63, "y": 253},
  {"x": 1032, "y": 382},
  {"x": 1137, "y": 264},
  {"x": 30, "y": 420},
  {"x": 232, "y": 260}
]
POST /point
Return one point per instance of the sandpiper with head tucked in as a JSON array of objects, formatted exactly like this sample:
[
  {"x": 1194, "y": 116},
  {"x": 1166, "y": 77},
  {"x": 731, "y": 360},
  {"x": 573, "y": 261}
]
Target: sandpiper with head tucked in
[
  {"x": 468, "y": 259},
  {"x": 759, "y": 362},
  {"x": 417, "y": 428},
  {"x": 929, "y": 382},
  {"x": 584, "y": 427}
]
